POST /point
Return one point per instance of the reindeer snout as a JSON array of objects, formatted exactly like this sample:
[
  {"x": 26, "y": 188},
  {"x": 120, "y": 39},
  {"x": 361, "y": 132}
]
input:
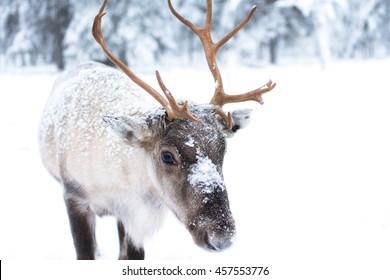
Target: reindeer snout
[
  {"x": 218, "y": 241},
  {"x": 213, "y": 235}
]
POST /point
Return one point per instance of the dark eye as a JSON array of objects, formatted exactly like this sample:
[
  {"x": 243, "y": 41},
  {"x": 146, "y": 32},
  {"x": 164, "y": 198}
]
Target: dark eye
[{"x": 167, "y": 157}]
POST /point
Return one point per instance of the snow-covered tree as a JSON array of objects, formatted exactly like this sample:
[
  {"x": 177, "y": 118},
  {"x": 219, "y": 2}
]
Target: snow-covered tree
[
  {"x": 275, "y": 25},
  {"x": 34, "y": 30},
  {"x": 53, "y": 31}
]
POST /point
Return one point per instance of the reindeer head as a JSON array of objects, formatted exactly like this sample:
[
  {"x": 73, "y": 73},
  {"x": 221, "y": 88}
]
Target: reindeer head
[{"x": 185, "y": 143}]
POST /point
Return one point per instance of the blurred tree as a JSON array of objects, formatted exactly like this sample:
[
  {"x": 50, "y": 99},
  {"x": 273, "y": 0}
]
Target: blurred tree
[
  {"x": 35, "y": 30},
  {"x": 386, "y": 19},
  {"x": 56, "y": 20},
  {"x": 9, "y": 24},
  {"x": 52, "y": 31},
  {"x": 276, "y": 23}
]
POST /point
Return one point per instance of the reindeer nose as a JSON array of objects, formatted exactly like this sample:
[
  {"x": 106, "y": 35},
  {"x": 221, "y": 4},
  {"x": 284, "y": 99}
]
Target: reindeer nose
[
  {"x": 222, "y": 237},
  {"x": 219, "y": 242},
  {"x": 213, "y": 236}
]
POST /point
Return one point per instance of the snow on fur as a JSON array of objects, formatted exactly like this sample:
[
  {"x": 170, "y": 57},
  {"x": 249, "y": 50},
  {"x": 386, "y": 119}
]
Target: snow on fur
[
  {"x": 103, "y": 91},
  {"x": 204, "y": 175}
]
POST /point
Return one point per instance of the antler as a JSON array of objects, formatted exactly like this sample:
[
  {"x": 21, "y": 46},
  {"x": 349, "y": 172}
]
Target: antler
[
  {"x": 220, "y": 98},
  {"x": 173, "y": 109}
]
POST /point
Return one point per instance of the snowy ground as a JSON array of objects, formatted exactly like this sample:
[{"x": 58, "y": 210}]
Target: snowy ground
[{"x": 308, "y": 180}]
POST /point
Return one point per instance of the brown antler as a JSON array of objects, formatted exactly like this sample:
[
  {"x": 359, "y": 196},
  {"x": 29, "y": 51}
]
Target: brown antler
[
  {"x": 173, "y": 109},
  {"x": 220, "y": 98}
]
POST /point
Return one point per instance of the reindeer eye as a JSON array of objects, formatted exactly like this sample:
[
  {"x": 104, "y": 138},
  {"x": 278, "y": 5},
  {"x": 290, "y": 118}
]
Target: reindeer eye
[{"x": 168, "y": 158}]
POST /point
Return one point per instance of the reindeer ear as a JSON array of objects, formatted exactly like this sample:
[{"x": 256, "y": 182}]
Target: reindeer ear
[
  {"x": 130, "y": 129},
  {"x": 241, "y": 119}
]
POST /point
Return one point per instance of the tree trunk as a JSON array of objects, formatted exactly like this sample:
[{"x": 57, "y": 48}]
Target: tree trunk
[
  {"x": 273, "y": 52},
  {"x": 61, "y": 23},
  {"x": 387, "y": 16},
  {"x": 321, "y": 24},
  {"x": 357, "y": 26}
]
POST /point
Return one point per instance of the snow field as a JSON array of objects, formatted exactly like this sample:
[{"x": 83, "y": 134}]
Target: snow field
[{"x": 308, "y": 179}]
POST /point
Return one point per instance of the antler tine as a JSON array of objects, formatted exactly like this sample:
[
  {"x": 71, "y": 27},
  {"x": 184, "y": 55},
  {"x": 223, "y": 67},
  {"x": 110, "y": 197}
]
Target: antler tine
[
  {"x": 186, "y": 22},
  {"x": 236, "y": 29},
  {"x": 97, "y": 34},
  {"x": 254, "y": 95},
  {"x": 209, "y": 15},
  {"x": 227, "y": 118},
  {"x": 220, "y": 98},
  {"x": 178, "y": 111},
  {"x": 204, "y": 34},
  {"x": 174, "y": 110}
]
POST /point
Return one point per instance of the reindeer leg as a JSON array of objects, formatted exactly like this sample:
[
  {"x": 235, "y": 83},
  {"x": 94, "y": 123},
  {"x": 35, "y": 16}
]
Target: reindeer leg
[
  {"x": 127, "y": 249},
  {"x": 82, "y": 223}
]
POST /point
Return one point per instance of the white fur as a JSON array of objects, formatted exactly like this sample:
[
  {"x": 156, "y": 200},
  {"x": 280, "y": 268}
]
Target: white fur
[{"x": 110, "y": 170}]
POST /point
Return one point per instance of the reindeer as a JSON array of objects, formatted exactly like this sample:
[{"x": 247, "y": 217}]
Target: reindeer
[{"x": 117, "y": 154}]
